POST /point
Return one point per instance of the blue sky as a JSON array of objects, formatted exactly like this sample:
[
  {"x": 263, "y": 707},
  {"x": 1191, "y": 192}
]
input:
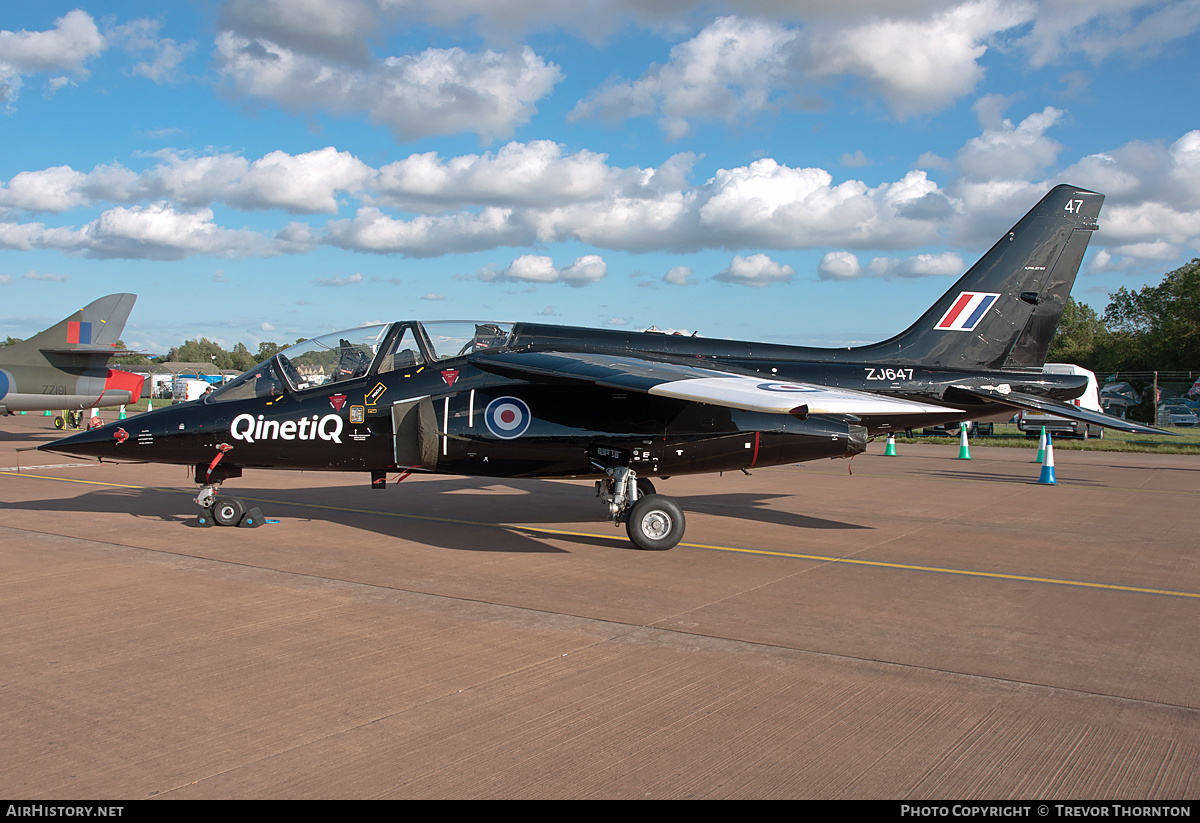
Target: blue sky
[{"x": 804, "y": 172}]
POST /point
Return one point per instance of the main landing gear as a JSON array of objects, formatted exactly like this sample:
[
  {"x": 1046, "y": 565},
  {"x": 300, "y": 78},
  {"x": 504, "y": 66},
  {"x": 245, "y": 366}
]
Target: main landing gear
[{"x": 654, "y": 522}]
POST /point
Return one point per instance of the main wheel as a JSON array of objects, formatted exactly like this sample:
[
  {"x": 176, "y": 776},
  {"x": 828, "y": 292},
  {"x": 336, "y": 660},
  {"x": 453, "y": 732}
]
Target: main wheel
[
  {"x": 228, "y": 511},
  {"x": 645, "y": 487},
  {"x": 655, "y": 523}
]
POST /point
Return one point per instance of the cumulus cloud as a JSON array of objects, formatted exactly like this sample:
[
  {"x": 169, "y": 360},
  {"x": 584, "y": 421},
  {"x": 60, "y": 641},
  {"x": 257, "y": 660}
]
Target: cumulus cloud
[
  {"x": 532, "y": 268},
  {"x": 917, "y": 61},
  {"x": 732, "y": 68},
  {"x": 439, "y": 91},
  {"x": 528, "y": 194},
  {"x": 303, "y": 183},
  {"x": 160, "y": 232},
  {"x": 839, "y": 265},
  {"x": 331, "y": 28},
  {"x": 915, "y": 65},
  {"x": 340, "y": 281},
  {"x": 428, "y": 236},
  {"x": 756, "y": 270},
  {"x": 1004, "y": 151},
  {"x": 844, "y": 265},
  {"x": 1101, "y": 29},
  {"x": 72, "y": 41},
  {"x": 533, "y": 174},
  {"x": 307, "y": 182},
  {"x": 679, "y": 276},
  {"x": 50, "y": 190},
  {"x": 164, "y": 55},
  {"x": 154, "y": 232}
]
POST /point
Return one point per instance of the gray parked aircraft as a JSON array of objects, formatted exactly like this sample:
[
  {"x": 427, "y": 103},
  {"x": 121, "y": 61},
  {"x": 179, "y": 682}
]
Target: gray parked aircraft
[{"x": 65, "y": 367}]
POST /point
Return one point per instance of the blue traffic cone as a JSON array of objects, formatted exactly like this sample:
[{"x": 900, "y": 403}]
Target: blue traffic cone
[{"x": 1047, "y": 476}]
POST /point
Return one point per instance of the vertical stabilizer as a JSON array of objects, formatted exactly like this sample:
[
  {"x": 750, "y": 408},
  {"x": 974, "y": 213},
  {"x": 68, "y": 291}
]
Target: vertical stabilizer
[
  {"x": 1003, "y": 313},
  {"x": 95, "y": 327}
]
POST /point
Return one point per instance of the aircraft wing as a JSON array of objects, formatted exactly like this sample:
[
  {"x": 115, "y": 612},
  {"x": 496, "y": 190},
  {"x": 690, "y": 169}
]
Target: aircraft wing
[
  {"x": 1003, "y": 394},
  {"x": 695, "y": 384}
]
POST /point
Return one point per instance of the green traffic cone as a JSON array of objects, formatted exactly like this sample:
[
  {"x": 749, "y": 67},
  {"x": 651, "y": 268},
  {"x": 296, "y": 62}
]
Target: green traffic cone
[
  {"x": 1041, "y": 455},
  {"x": 890, "y": 451},
  {"x": 964, "y": 451}
]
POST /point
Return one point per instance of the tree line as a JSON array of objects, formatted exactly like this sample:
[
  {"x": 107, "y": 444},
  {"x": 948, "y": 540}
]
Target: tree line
[
  {"x": 204, "y": 350},
  {"x": 1156, "y": 328}
]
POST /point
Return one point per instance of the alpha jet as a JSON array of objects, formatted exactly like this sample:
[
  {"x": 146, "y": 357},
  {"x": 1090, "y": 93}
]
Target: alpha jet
[
  {"x": 533, "y": 400},
  {"x": 66, "y": 366}
]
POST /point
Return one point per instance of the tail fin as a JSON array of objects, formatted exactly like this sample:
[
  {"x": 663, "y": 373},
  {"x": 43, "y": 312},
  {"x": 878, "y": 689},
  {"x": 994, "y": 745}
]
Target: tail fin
[
  {"x": 1003, "y": 313},
  {"x": 94, "y": 329}
]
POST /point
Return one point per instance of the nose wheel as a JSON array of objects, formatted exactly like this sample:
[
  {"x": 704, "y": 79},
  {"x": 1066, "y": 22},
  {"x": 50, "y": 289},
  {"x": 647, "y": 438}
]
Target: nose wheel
[{"x": 228, "y": 511}]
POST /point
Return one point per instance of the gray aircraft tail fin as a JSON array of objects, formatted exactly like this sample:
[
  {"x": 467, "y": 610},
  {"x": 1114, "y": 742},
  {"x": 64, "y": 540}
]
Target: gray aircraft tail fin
[
  {"x": 94, "y": 329},
  {"x": 1003, "y": 313}
]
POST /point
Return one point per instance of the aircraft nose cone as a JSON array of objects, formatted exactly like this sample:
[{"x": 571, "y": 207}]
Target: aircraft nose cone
[{"x": 104, "y": 442}]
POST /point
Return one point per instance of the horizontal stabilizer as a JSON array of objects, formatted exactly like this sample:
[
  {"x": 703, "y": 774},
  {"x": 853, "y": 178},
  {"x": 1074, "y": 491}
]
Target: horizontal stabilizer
[
  {"x": 104, "y": 351},
  {"x": 1018, "y": 400}
]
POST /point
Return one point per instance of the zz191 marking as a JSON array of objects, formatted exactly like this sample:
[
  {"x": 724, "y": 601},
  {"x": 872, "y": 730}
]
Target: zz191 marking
[{"x": 874, "y": 373}]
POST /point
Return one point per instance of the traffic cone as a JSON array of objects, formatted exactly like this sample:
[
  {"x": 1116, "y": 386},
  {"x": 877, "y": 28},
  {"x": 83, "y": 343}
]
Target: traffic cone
[
  {"x": 47, "y": 414},
  {"x": 964, "y": 451},
  {"x": 150, "y": 404},
  {"x": 1041, "y": 455},
  {"x": 1047, "y": 476},
  {"x": 890, "y": 451},
  {"x": 121, "y": 416}
]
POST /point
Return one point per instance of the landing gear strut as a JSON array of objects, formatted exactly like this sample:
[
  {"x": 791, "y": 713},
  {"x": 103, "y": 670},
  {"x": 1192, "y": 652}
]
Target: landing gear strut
[{"x": 653, "y": 522}]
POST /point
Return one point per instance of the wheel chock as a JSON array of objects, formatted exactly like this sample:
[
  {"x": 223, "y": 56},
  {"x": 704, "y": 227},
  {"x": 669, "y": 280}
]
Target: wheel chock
[
  {"x": 204, "y": 520},
  {"x": 252, "y": 519}
]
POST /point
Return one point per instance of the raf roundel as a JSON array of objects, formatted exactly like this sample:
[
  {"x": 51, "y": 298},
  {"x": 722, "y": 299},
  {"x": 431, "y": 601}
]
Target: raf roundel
[
  {"x": 785, "y": 387},
  {"x": 507, "y": 417}
]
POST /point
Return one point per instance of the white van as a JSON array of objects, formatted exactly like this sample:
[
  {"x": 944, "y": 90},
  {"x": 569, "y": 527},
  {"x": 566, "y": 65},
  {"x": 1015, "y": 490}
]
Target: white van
[{"x": 1032, "y": 422}]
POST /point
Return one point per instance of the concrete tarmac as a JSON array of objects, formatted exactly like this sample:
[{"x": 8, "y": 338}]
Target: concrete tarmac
[{"x": 921, "y": 628}]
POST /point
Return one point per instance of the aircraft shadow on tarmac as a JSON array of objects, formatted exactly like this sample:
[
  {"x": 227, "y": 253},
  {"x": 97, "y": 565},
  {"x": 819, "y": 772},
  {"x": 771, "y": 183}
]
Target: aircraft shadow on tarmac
[
  {"x": 34, "y": 436},
  {"x": 435, "y": 512},
  {"x": 1004, "y": 477}
]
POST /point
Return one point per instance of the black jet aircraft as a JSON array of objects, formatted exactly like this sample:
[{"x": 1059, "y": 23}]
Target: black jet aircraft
[
  {"x": 533, "y": 400},
  {"x": 66, "y": 366}
]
